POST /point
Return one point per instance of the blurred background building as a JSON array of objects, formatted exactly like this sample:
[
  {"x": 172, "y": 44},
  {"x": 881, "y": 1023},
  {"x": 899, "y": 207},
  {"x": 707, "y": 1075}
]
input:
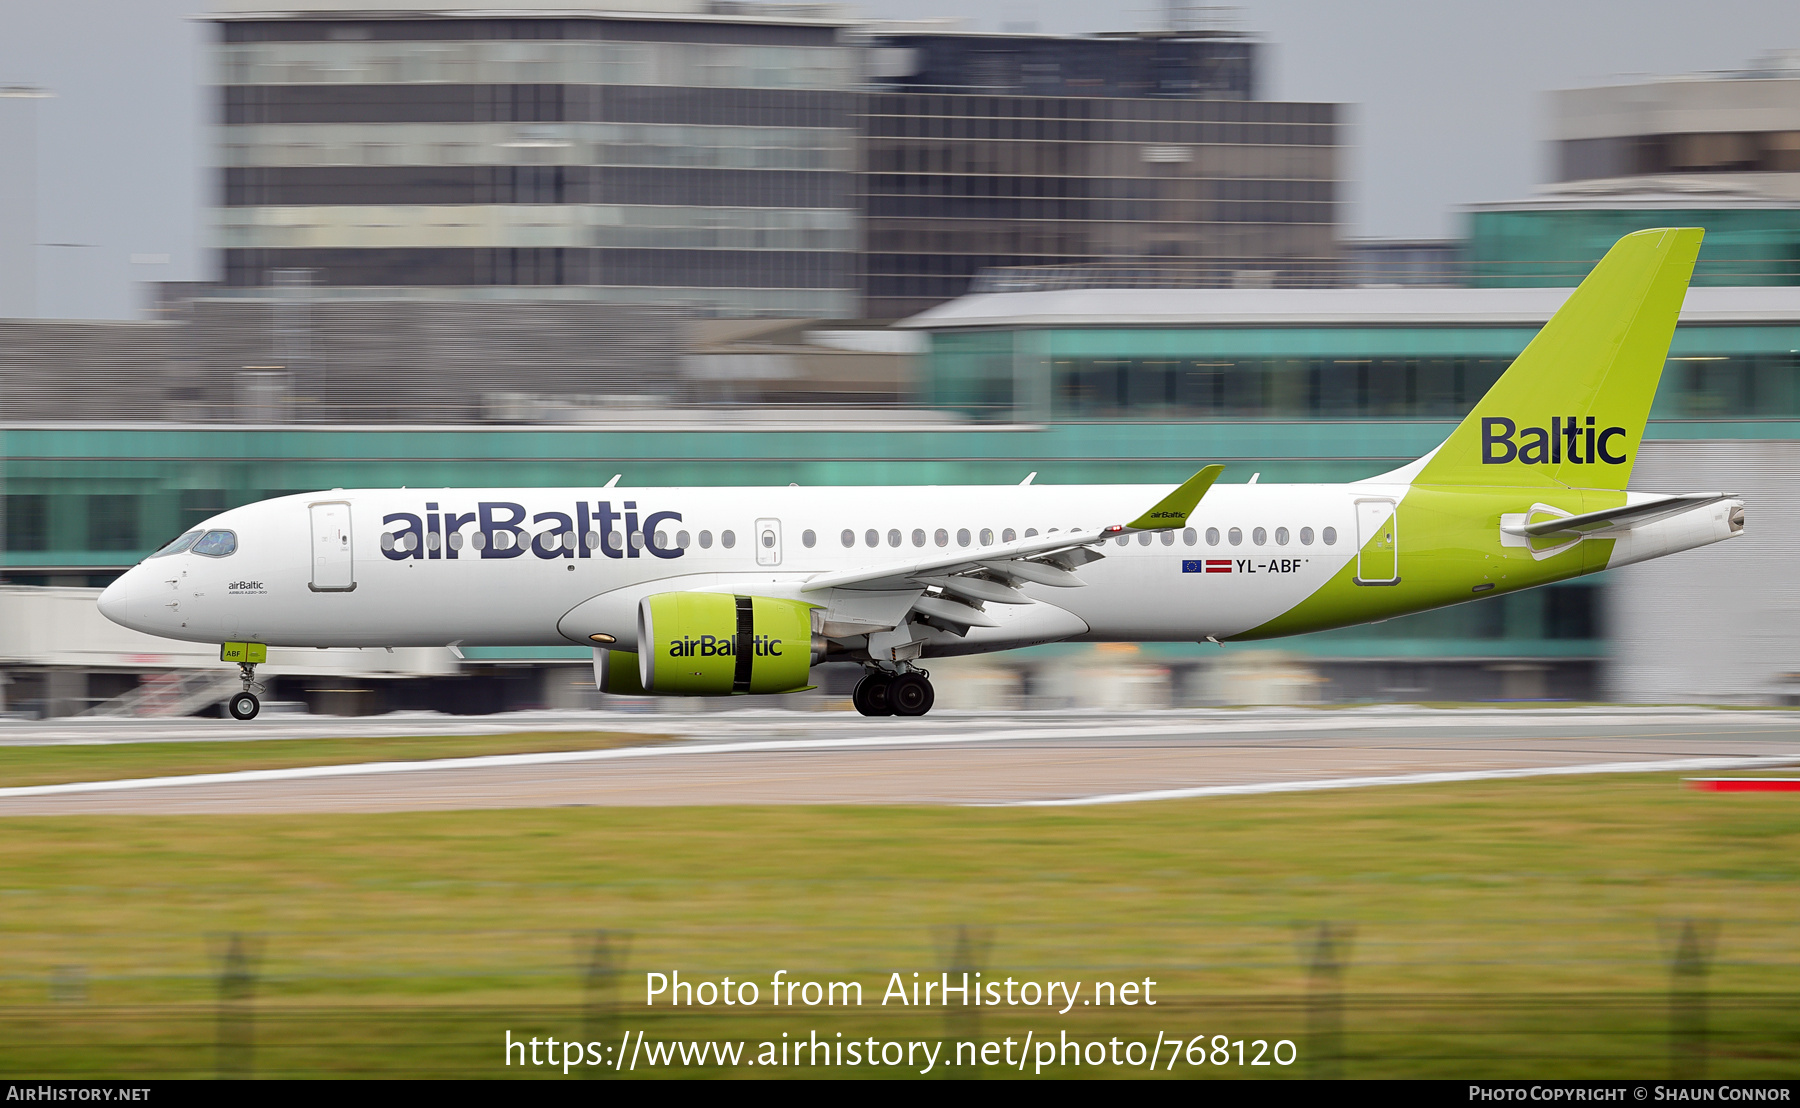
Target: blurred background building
[{"x": 708, "y": 243}]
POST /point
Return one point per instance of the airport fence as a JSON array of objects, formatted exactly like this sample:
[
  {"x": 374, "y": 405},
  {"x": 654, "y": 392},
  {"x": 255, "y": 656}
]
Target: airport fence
[{"x": 1681, "y": 998}]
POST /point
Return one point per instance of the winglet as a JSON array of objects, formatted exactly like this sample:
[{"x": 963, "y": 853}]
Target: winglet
[{"x": 1174, "y": 509}]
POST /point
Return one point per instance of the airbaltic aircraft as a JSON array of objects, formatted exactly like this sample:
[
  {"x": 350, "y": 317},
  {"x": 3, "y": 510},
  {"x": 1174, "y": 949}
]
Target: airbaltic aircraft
[{"x": 722, "y": 591}]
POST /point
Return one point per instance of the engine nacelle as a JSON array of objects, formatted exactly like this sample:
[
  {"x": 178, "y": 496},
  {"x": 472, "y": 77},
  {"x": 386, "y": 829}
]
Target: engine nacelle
[{"x": 716, "y": 644}]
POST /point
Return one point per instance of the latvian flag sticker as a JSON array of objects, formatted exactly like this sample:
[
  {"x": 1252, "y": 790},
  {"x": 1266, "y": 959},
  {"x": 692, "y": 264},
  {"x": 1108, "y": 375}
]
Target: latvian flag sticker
[{"x": 1209, "y": 565}]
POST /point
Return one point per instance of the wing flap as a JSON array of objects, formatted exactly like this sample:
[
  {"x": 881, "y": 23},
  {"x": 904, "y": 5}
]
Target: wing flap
[{"x": 1071, "y": 547}]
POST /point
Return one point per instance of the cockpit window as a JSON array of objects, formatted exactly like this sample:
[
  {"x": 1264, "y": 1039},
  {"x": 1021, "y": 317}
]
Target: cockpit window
[
  {"x": 178, "y": 545},
  {"x": 216, "y": 544}
]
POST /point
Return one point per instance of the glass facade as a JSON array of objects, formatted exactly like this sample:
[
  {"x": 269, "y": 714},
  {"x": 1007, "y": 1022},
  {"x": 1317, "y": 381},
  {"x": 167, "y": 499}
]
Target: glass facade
[
  {"x": 1148, "y": 374},
  {"x": 84, "y": 503},
  {"x": 1551, "y": 245},
  {"x": 953, "y": 184}
]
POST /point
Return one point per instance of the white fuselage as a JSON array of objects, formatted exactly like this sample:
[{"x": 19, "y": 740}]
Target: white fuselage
[{"x": 294, "y": 581}]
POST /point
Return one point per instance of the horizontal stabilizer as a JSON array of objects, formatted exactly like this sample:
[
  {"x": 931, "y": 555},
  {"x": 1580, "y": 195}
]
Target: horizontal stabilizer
[{"x": 1611, "y": 519}]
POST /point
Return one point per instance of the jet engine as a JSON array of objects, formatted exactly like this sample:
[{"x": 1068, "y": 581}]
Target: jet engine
[{"x": 716, "y": 644}]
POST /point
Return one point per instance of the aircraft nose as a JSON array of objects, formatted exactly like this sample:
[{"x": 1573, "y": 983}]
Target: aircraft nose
[{"x": 115, "y": 601}]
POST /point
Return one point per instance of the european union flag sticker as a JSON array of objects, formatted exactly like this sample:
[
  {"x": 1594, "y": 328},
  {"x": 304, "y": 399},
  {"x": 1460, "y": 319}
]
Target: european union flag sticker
[{"x": 1193, "y": 566}]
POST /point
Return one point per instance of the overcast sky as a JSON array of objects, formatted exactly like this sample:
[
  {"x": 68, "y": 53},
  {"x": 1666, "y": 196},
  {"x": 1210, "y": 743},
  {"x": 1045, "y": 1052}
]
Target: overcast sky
[{"x": 1446, "y": 94}]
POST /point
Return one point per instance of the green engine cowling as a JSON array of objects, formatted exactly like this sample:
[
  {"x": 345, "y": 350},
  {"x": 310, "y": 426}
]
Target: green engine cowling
[{"x": 717, "y": 644}]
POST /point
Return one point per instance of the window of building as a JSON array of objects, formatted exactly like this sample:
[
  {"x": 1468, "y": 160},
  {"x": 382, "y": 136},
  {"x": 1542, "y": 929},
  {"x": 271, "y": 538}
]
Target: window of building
[
  {"x": 27, "y": 522},
  {"x": 112, "y": 522}
]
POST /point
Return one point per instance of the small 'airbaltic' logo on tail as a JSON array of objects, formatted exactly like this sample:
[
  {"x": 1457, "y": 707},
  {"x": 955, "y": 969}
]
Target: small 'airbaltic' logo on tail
[{"x": 1570, "y": 439}]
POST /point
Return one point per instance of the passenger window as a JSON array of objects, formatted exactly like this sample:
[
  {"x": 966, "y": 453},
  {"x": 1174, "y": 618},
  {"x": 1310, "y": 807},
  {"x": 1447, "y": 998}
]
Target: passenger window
[
  {"x": 1143, "y": 538},
  {"x": 1236, "y": 535},
  {"x": 894, "y": 537},
  {"x": 434, "y": 541},
  {"x": 1008, "y": 535},
  {"x": 615, "y": 541},
  {"x": 807, "y": 539},
  {"x": 1189, "y": 537},
  {"x": 918, "y": 536},
  {"x": 1168, "y": 538},
  {"x": 637, "y": 540},
  {"x": 188, "y": 540},
  {"x": 591, "y": 540},
  {"x": 1330, "y": 536},
  {"x": 768, "y": 540},
  {"x": 1260, "y": 536},
  {"x": 987, "y": 536},
  {"x": 848, "y": 538},
  {"x": 706, "y": 540},
  {"x": 1306, "y": 536},
  {"x": 478, "y": 540},
  {"x": 1031, "y": 532},
  {"x": 1124, "y": 540},
  {"x": 1212, "y": 536},
  {"x": 727, "y": 539},
  {"x": 1281, "y": 536},
  {"x": 942, "y": 538},
  {"x": 962, "y": 536},
  {"x": 218, "y": 544},
  {"x": 456, "y": 540},
  {"x": 681, "y": 540},
  {"x": 871, "y": 538}
]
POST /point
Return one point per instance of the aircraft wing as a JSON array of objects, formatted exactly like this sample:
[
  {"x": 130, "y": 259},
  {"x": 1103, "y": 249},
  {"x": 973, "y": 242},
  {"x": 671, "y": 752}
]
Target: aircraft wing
[
  {"x": 984, "y": 572},
  {"x": 1608, "y": 519}
]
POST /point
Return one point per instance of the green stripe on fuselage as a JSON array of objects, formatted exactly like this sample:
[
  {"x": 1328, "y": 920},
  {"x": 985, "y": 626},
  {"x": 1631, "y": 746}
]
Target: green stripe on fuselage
[{"x": 1449, "y": 538}]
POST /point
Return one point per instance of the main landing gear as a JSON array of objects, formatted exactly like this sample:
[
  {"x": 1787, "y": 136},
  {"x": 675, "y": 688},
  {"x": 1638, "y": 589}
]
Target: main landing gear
[
  {"x": 894, "y": 694},
  {"x": 244, "y": 705}
]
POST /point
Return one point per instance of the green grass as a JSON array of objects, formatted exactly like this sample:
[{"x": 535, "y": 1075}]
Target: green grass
[
  {"x": 1515, "y": 929},
  {"x": 51, "y": 765}
]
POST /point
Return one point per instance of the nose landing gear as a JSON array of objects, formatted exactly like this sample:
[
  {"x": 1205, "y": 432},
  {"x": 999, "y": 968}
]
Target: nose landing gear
[
  {"x": 894, "y": 694},
  {"x": 245, "y": 705}
]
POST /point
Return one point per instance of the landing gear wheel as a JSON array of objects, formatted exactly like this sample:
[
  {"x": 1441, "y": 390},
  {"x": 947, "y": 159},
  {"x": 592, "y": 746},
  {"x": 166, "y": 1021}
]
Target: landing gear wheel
[
  {"x": 911, "y": 695},
  {"x": 871, "y": 695},
  {"x": 244, "y": 706}
]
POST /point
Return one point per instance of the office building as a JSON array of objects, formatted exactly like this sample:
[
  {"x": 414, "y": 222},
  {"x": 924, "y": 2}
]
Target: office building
[{"x": 680, "y": 153}]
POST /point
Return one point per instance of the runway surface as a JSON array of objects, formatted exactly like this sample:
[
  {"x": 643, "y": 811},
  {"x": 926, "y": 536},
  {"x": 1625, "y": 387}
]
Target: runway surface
[{"x": 774, "y": 757}]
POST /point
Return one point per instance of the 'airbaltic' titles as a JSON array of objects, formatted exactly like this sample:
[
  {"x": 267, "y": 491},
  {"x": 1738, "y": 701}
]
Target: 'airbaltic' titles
[
  {"x": 436, "y": 534},
  {"x": 1537, "y": 446}
]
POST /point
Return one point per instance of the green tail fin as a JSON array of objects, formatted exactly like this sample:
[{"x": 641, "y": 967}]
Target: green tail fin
[{"x": 1596, "y": 362}]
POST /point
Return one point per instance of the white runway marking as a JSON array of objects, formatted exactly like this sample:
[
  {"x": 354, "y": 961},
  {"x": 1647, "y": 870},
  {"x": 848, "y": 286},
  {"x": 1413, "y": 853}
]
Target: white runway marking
[{"x": 1672, "y": 765}]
